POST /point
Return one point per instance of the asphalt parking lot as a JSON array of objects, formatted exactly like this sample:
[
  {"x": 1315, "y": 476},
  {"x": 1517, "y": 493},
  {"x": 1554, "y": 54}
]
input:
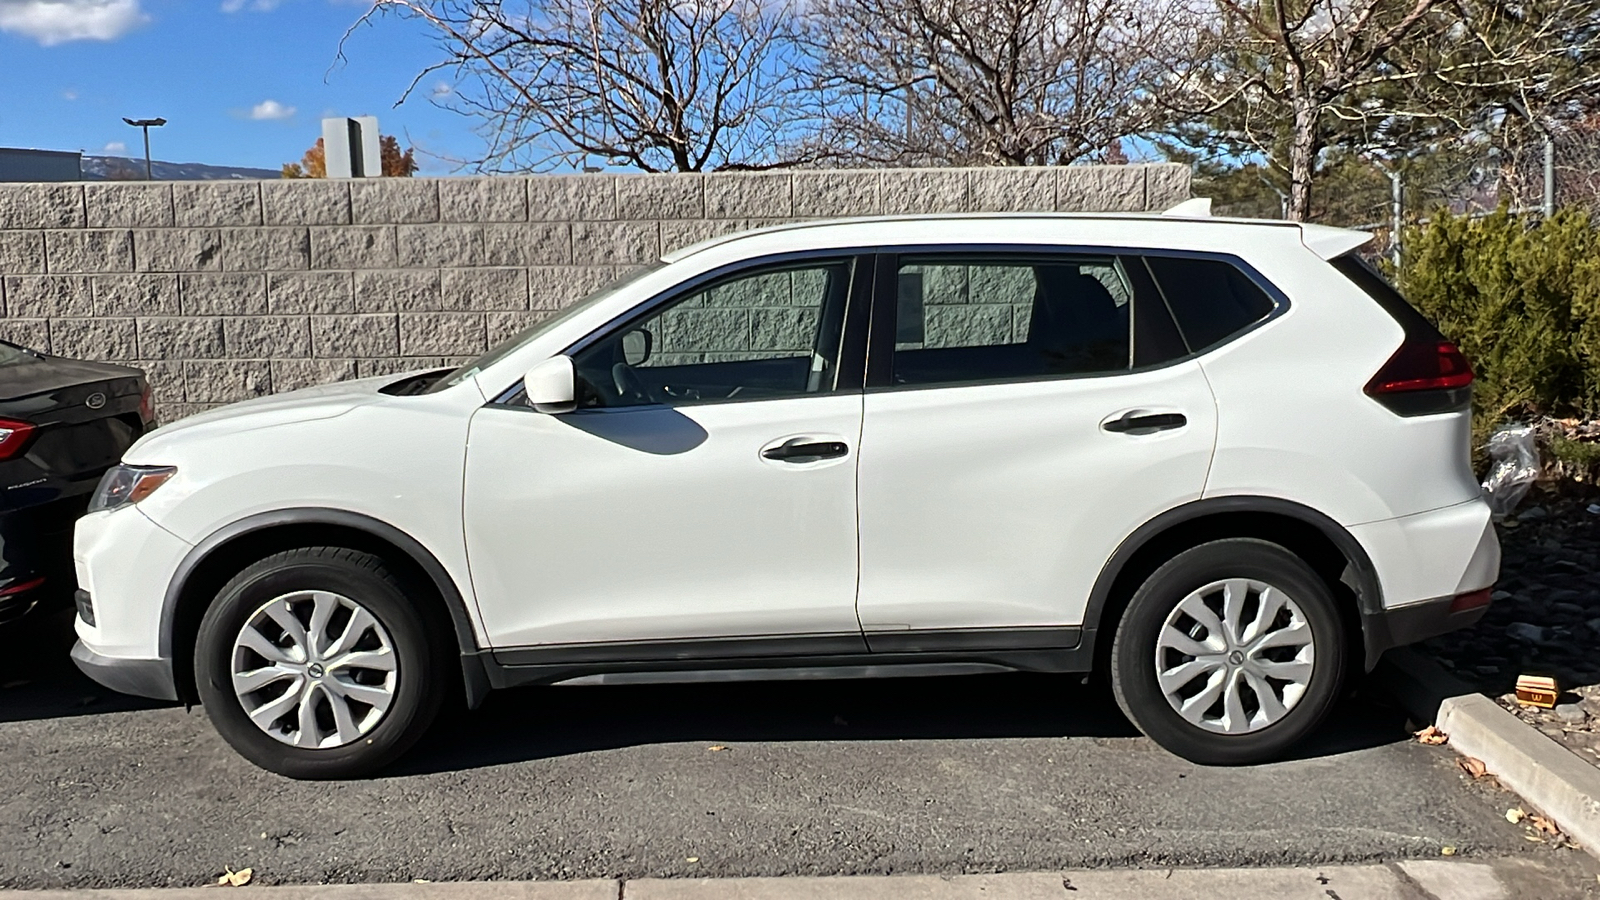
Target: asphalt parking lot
[{"x": 942, "y": 776}]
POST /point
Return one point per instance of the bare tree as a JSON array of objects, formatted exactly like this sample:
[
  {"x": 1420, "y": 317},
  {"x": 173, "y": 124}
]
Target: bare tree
[
  {"x": 1285, "y": 80},
  {"x": 989, "y": 82},
  {"x": 657, "y": 85}
]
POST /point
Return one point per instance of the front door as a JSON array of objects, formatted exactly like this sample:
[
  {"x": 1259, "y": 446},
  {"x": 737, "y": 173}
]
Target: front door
[
  {"x": 703, "y": 494},
  {"x": 1033, "y": 410}
]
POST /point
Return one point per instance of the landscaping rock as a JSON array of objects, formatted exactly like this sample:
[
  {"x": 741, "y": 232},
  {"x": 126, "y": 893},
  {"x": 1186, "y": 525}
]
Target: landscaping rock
[
  {"x": 1522, "y": 631},
  {"x": 1544, "y": 618}
]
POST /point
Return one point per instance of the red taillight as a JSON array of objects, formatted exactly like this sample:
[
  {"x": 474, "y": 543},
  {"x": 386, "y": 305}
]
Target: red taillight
[
  {"x": 21, "y": 586},
  {"x": 1474, "y": 600},
  {"x": 1422, "y": 366},
  {"x": 147, "y": 406},
  {"x": 14, "y": 436}
]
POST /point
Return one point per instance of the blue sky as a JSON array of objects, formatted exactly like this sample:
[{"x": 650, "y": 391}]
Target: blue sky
[{"x": 240, "y": 82}]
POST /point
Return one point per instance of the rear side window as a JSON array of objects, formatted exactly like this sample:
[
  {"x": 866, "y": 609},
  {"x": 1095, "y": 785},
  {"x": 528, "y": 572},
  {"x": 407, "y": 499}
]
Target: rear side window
[
  {"x": 965, "y": 319},
  {"x": 1210, "y": 299}
]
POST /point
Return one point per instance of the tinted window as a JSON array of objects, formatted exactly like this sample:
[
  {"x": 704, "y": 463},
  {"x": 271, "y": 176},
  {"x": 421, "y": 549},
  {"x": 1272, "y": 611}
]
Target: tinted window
[
  {"x": 538, "y": 329},
  {"x": 758, "y": 335},
  {"x": 976, "y": 319},
  {"x": 1211, "y": 300},
  {"x": 12, "y": 355}
]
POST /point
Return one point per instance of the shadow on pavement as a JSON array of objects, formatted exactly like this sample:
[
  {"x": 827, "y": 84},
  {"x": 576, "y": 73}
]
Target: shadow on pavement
[
  {"x": 39, "y": 681},
  {"x": 532, "y": 723}
]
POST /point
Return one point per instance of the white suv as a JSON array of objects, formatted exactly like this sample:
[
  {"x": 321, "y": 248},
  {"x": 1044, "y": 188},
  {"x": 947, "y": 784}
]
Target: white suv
[{"x": 1221, "y": 461}]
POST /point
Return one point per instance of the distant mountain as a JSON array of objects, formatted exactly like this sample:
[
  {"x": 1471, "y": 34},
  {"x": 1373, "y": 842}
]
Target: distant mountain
[{"x": 105, "y": 168}]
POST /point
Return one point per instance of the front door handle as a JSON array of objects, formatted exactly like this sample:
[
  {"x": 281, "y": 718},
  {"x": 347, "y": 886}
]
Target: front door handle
[
  {"x": 806, "y": 451},
  {"x": 1148, "y": 422}
]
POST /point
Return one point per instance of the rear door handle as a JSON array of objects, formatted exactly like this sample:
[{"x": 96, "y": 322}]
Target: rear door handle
[
  {"x": 806, "y": 451},
  {"x": 1146, "y": 422}
]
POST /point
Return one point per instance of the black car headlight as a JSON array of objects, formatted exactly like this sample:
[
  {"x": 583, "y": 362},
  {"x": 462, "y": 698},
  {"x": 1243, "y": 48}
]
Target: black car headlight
[{"x": 122, "y": 485}]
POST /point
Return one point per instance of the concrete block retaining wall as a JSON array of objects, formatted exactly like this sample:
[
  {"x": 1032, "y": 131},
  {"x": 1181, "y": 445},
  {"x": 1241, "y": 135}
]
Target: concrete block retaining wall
[{"x": 226, "y": 290}]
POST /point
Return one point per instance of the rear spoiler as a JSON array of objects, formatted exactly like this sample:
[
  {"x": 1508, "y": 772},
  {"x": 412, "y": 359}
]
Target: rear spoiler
[
  {"x": 1322, "y": 240},
  {"x": 1329, "y": 243}
]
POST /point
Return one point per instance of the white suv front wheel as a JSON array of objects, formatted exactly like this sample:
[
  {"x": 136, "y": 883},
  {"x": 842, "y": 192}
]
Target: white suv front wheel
[
  {"x": 315, "y": 663},
  {"x": 1229, "y": 653}
]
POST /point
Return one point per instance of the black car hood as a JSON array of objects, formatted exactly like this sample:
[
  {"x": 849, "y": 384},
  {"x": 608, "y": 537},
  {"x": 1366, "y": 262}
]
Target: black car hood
[{"x": 43, "y": 374}]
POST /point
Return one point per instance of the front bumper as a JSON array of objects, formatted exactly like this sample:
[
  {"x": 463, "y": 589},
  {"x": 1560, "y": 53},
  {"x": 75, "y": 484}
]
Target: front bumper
[
  {"x": 124, "y": 564},
  {"x": 141, "y": 677}
]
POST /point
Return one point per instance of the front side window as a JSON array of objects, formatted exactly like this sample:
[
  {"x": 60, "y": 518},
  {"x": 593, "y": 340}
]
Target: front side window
[
  {"x": 772, "y": 332},
  {"x": 539, "y": 329},
  {"x": 980, "y": 319}
]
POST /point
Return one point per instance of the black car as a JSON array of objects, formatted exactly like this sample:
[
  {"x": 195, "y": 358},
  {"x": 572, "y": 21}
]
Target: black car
[{"x": 63, "y": 422}]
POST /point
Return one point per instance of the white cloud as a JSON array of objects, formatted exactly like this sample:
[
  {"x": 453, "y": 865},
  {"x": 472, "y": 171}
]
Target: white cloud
[
  {"x": 57, "y": 21},
  {"x": 69, "y": 94},
  {"x": 442, "y": 90},
  {"x": 233, "y": 6},
  {"x": 115, "y": 147},
  {"x": 270, "y": 110}
]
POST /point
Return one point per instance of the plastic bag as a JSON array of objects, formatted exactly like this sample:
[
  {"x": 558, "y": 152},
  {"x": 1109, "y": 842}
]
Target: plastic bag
[{"x": 1514, "y": 467}]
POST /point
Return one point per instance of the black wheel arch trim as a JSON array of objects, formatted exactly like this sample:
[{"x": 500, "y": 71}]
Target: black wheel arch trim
[
  {"x": 1360, "y": 575},
  {"x": 472, "y": 670}
]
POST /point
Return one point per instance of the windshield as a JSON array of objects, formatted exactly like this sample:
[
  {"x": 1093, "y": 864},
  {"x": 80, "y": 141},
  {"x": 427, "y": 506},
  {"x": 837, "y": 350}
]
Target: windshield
[
  {"x": 11, "y": 354},
  {"x": 538, "y": 329}
]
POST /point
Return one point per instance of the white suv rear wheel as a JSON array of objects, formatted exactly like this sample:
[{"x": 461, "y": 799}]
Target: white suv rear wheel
[{"x": 1229, "y": 653}]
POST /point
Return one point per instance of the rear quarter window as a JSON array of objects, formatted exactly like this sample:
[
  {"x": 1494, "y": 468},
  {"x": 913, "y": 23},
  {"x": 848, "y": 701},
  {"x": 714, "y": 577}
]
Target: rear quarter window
[{"x": 1211, "y": 300}]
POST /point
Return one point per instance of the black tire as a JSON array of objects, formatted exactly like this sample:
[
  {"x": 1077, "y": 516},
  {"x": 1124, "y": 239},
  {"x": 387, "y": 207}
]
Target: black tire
[
  {"x": 421, "y": 671},
  {"x": 1133, "y": 652}
]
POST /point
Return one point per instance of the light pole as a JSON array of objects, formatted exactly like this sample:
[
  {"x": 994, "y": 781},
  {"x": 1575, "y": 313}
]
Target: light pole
[{"x": 146, "y": 124}]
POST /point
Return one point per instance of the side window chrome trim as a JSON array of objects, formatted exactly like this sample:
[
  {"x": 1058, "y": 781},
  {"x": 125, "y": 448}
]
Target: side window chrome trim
[
  {"x": 1280, "y": 301},
  {"x": 873, "y": 255},
  {"x": 857, "y": 257}
]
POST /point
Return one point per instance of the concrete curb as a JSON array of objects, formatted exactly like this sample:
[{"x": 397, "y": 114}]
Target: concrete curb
[
  {"x": 1410, "y": 880},
  {"x": 1547, "y": 775}
]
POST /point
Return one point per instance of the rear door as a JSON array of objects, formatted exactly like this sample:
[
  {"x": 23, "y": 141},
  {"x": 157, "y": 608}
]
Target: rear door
[{"x": 1023, "y": 415}]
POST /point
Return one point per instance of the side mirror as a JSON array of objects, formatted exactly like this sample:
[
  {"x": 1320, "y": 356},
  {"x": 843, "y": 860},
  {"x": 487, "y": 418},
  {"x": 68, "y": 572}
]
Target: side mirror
[
  {"x": 552, "y": 386},
  {"x": 636, "y": 346}
]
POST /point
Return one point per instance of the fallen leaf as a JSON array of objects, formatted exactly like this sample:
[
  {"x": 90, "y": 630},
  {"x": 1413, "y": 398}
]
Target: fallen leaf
[
  {"x": 716, "y": 748},
  {"x": 1447, "y": 851},
  {"x": 1473, "y": 766},
  {"x": 1515, "y": 815},
  {"x": 231, "y": 878},
  {"x": 1545, "y": 825},
  {"x": 1432, "y": 736}
]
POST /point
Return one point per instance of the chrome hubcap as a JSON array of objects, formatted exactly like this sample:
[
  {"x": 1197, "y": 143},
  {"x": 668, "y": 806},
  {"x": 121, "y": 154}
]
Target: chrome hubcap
[
  {"x": 1235, "y": 656},
  {"x": 314, "y": 669}
]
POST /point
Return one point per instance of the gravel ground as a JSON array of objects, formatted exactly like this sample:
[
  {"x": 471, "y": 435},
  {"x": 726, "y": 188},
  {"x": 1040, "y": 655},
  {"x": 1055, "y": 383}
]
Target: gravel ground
[
  {"x": 1545, "y": 619},
  {"x": 933, "y": 776}
]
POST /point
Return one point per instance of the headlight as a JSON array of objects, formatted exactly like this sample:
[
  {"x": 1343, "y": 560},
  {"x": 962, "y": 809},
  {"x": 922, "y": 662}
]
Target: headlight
[{"x": 122, "y": 485}]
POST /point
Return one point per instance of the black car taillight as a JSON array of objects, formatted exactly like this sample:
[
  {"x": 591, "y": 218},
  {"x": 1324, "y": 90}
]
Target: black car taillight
[
  {"x": 14, "y": 435},
  {"x": 147, "y": 406}
]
